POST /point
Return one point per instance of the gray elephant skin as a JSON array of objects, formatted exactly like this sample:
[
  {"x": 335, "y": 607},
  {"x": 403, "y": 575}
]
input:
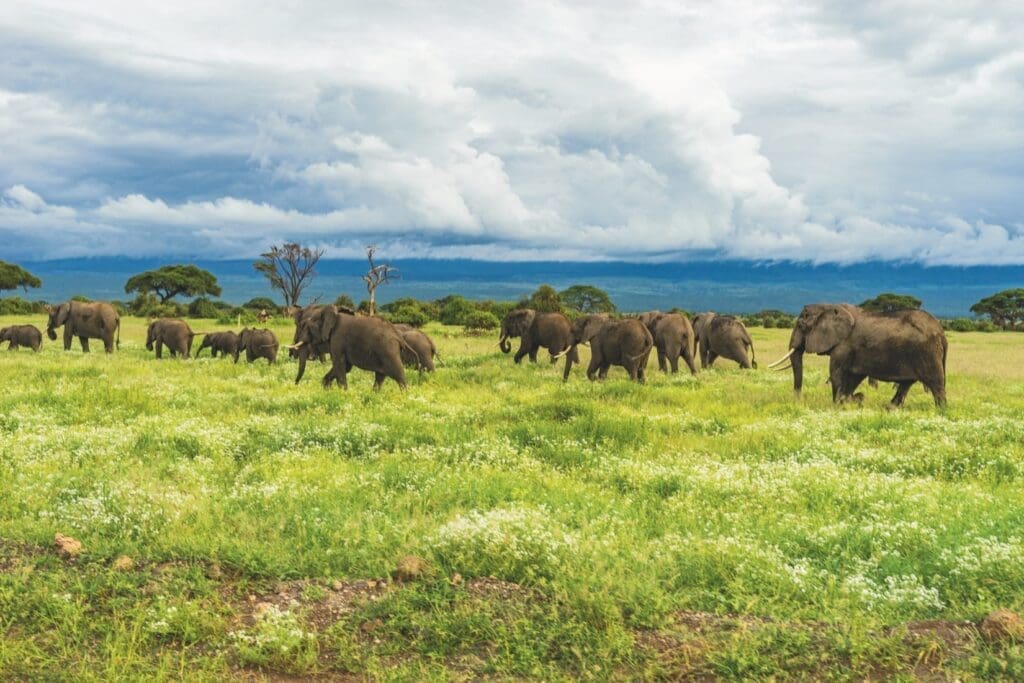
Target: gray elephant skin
[
  {"x": 224, "y": 343},
  {"x": 673, "y": 339},
  {"x": 367, "y": 343},
  {"x": 173, "y": 333},
  {"x": 306, "y": 351},
  {"x": 86, "y": 320},
  {"x": 626, "y": 343},
  {"x": 258, "y": 344},
  {"x": 423, "y": 351},
  {"x": 725, "y": 336},
  {"x": 21, "y": 335},
  {"x": 901, "y": 347},
  {"x": 552, "y": 331}
]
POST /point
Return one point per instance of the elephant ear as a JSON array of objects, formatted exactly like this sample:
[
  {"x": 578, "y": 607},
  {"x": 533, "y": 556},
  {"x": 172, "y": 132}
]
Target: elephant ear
[
  {"x": 63, "y": 311},
  {"x": 328, "y": 320},
  {"x": 591, "y": 325},
  {"x": 526, "y": 320},
  {"x": 833, "y": 325}
]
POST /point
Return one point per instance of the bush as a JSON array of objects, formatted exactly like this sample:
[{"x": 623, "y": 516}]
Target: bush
[
  {"x": 411, "y": 315},
  {"x": 456, "y": 310},
  {"x": 346, "y": 301},
  {"x": 231, "y": 317},
  {"x": 79, "y": 297},
  {"x": 203, "y": 308},
  {"x": 261, "y": 303},
  {"x": 480, "y": 320},
  {"x": 15, "y": 305}
]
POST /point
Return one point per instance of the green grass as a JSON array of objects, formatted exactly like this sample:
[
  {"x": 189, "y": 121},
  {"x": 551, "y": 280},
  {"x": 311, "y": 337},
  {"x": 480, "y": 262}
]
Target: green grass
[{"x": 707, "y": 526}]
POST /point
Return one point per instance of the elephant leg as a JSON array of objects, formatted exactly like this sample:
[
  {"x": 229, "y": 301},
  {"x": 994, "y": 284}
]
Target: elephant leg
[
  {"x": 84, "y": 341},
  {"x": 236, "y": 357},
  {"x": 108, "y": 343},
  {"x": 852, "y": 381},
  {"x": 662, "y": 364},
  {"x": 938, "y": 389},
  {"x": 673, "y": 351},
  {"x": 68, "y": 336},
  {"x": 835, "y": 377},
  {"x": 378, "y": 379},
  {"x": 712, "y": 356},
  {"x": 159, "y": 348},
  {"x": 533, "y": 354},
  {"x": 523, "y": 351},
  {"x": 688, "y": 359},
  {"x": 595, "y": 363},
  {"x": 902, "y": 389}
]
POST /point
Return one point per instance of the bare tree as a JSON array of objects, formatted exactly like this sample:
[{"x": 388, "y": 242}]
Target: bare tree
[
  {"x": 377, "y": 275},
  {"x": 290, "y": 269}
]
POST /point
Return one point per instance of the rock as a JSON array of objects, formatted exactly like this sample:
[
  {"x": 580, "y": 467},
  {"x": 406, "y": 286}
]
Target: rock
[
  {"x": 337, "y": 585},
  {"x": 213, "y": 571},
  {"x": 410, "y": 568},
  {"x": 1002, "y": 624},
  {"x": 262, "y": 608},
  {"x": 456, "y": 579},
  {"x": 371, "y": 584},
  {"x": 123, "y": 564},
  {"x": 67, "y": 546}
]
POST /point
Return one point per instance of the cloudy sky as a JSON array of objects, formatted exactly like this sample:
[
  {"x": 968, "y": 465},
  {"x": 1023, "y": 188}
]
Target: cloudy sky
[{"x": 826, "y": 132}]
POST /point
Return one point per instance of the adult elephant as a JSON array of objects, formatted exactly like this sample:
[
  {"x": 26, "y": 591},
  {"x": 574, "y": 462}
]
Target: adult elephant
[
  {"x": 552, "y": 331},
  {"x": 224, "y": 343},
  {"x": 303, "y": 352},
  {"x": 258, "y": 343},
  {"x": 367, "y": 343},
  {"x": 626, "y": 343},
  {"x": 86, "y": 320},
  {"x": 673, "y": 338},
  {"x": 21, "y": 335},
  {"x": 421, "y": 352},
  {"x": 173, "y": 333},
  {"x": 725, "y": 336},
  {"x": 901, "y": 347}
]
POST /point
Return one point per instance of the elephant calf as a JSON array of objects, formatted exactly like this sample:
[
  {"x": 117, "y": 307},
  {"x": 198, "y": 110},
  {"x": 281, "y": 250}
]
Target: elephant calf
[
  {"x": 258, "y": 344},
  {"x": 225, "y": 343},
  {"x": 421, "y": 350},
  {"x": 22, "y": 335},
  {"x": 170, "y": 332},
  {"x": 626, "y": 343},
  {"x": 673, "y": 338},
  {"x": 725, "y": 336}
]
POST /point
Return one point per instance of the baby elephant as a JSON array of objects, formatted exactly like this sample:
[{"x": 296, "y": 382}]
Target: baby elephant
[
  {"x": 172, "y": 332},
  {"x": 626, "y": 343},
  {"x": 21, "y": 335},
  {"x": 421, "y": 352},
  {"x": 225, "y": 343},
  {"x": 258, "y": 344}
]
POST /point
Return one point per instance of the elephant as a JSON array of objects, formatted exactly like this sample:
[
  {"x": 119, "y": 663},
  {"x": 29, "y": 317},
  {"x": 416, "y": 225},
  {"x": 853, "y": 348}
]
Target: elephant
[
  {"x": 422, "y": 350},
  {"x": 170, "y": 332},
  {"x": 258, "y": 344},
  {"x": 552, "y": 331},
  {"x": 93, "y": 320},
  {"x": 22, "y": 335},
  {"x": 673, "y": 337},
  {"x": 900, "y": 346},
  {"x": 364, "y": 342},
  {"x": 626, "y": 343},
  {"x": 725, "y": 336},
  {"x": 225, "y": 343},
  {"x": 304, "y": 352}
]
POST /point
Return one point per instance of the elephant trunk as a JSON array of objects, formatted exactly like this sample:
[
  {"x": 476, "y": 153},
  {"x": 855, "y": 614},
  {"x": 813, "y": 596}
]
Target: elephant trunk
[
  {"x": 570, "y": 356},
  {"x": 503, "y": 342},
  {"x": 797, "y": 359},
  {"x": 51, "y": 333},
  {"x": 303, "y": 352}
]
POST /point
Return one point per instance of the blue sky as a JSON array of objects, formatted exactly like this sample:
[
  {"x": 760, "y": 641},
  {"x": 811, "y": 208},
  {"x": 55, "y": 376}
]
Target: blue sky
[{"x": 824, "y": 132}]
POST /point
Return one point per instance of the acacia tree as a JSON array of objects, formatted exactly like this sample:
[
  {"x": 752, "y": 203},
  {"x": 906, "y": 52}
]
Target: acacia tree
[
  {"x": 13, "y": 276},
  {"x": 290, "y": 268},
  {"x": 1006, "y": 308},
  {"x": 168, "y": 282},
  {"x": 544, "y": 300},
  {"x": 887, "y": 302},
  {"x": 377, "y": 275},
  {"x": 587, "y": 299}
]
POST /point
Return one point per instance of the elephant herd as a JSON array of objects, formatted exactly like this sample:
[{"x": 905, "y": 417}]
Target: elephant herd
[{"x": 902, "y": 347}]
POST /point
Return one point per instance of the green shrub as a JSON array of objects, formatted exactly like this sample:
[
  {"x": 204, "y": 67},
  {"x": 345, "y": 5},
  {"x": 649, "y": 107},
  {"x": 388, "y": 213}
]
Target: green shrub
[
  {"x": 346, "y": 301},
  {"x": 480, "y": 320},
  {"x": 203, "y": 308},
  {"x": 261, "y": 303},
  {"x": 456, "y": 309},
  {"x": 15, "y": 305},
  {"x": 411, "y": 315}
]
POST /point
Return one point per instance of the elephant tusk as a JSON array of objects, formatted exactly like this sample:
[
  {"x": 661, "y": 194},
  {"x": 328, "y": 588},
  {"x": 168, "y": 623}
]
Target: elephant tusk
[
  {"x": 784, "y": 358},
  {"x": 562, "y": 353},
  {"x": 785, "y": 367}
]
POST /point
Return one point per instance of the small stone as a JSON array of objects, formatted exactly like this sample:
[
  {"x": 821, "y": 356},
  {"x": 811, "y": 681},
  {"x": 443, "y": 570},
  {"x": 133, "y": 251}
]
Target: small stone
[
  {"x": 261, "y": 608},
  {"x": 337, "y": 585},
  {"x": 213, "y": 571},
  {"x": 371, "y": 584},
  {"x": 123, "y": 564},
  {"x": 410, "y": 568},
  {"x": 252, "y": 598},
  {"x": 67, "y": 546},
  {"x": 456, "y": 579},
  {"x": 1002, "y": 624},
  {"x": 371, "y": 626}
]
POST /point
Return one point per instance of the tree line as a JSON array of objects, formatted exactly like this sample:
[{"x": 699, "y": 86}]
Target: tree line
[{"x": 290, "y": 268}]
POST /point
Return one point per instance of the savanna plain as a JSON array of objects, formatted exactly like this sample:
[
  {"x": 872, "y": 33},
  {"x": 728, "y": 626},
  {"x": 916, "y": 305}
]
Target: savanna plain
[{"x": 491, "y": 522}]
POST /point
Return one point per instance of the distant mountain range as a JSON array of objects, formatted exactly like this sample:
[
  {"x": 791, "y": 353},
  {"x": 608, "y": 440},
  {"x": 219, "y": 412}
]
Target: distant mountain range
[{"x": 724, "y": 286}]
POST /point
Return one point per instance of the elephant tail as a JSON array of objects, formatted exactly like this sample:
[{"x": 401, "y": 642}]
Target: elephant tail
[
  {"x": 648, "y": 345},
  {"x": 405, "y": 346},
  {"x": 118, "y": 343},
  {"x": 750, "y": 343}
]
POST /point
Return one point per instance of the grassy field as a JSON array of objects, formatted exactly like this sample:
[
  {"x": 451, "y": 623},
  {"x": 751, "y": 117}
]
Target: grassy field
[{"x": 706, "y": 527}]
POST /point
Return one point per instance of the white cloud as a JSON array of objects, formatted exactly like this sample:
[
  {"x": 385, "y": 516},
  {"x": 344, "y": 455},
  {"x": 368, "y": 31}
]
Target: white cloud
[{"x": 817, "y": 131}]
